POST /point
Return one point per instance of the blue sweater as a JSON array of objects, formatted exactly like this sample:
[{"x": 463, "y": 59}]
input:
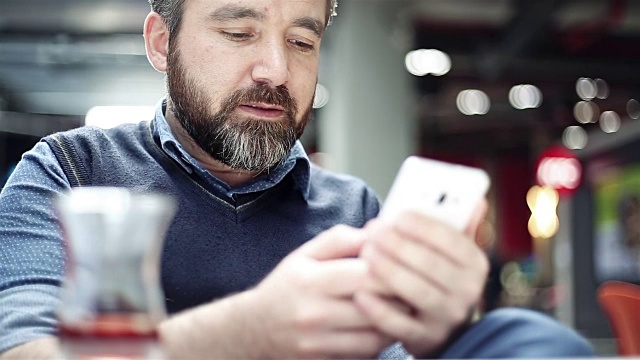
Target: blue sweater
[{"x": 215, "y": 246}]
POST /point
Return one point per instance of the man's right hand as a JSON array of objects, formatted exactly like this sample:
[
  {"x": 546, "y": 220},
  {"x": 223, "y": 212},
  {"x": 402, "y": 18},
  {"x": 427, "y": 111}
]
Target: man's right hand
[{"x": 303, "y": 309}]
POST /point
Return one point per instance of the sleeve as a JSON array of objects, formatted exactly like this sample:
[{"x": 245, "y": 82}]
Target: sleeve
[
  {"x": 31, "y": 250},
  {"x": 371, "y": 204}
]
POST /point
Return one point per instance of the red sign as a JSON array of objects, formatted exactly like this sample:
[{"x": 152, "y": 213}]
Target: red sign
[{"x": 560, "y": 169}]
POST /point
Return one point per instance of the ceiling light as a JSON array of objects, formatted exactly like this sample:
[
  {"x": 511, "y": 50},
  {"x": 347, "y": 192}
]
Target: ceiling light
[
  {"x": 586, "y": 88},
  {"x": 633, "y": 109},
  {"x": 525, "y": 97},
  {"x": 610, "y": 122},
  {"x": 602, "y": 89},
  {"x": 473, "y": 102},
  {"x": 574, "y": 138},
  {"x": 321, "y": 97},
  {"x": 427, "y": 61}
]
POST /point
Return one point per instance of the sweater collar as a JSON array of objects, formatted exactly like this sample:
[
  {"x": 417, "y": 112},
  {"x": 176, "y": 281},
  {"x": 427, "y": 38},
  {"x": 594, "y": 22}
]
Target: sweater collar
[{"x": 297, "y": 163}]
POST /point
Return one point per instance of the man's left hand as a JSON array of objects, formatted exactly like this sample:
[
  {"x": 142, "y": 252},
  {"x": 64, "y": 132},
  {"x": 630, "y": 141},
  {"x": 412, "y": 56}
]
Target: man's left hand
[{"x": 435, "y": 270}]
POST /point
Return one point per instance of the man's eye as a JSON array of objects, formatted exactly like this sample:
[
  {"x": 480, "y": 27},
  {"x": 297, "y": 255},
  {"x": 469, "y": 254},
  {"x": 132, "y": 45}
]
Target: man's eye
[
  {"x": 302, "y": 45},
  {"x": 237, "y": 36}
]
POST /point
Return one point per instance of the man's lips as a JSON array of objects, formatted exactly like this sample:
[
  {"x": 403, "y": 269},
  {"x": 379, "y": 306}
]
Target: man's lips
[{"x": 263, "y": 110}]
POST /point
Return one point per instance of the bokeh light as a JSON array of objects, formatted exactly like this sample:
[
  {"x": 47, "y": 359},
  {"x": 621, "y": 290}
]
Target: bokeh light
[
  {"x": 473, "y": 102},
  {"x": 586, "y": 112},
  {"x": 428, "y": 61},
  {"x": 559, "y": 173},
  {"x": 633, "y": 109},
  {"x": 107, "y": 117},
  {"x": 574, "y": 138},
  {"x": 543, "y": 202},
  {"x": 602, "y": 89},
  {"x": 322, "y": 96},
  {"x": 525, "y": 97},
  {"x": 610, "y": 122},
  {"x": 586, "y": 88},
  {"x": 515, "y": 283}
]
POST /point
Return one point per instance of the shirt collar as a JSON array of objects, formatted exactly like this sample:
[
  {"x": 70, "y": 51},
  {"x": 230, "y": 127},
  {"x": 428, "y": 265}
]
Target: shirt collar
[{"x": 297, "y": 162}]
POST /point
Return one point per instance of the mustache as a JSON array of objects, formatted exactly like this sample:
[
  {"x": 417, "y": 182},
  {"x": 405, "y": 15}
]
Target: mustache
[{"x": 263, "y": 93}]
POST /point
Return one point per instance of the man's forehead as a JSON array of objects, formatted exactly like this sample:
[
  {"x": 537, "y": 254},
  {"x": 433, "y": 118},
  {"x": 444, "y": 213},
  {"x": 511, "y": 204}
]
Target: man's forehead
[
  {"x": 307, "y": 14},
  {"x": 267, "y": 6}
]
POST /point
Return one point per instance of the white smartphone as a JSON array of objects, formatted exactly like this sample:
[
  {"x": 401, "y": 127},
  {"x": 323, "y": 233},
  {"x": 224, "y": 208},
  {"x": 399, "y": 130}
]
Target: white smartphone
[{"x": 447, "y": 192}]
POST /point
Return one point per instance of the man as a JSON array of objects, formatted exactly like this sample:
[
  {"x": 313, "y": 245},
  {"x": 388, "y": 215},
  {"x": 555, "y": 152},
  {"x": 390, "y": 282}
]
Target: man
[{"x": 262, "y": 260}]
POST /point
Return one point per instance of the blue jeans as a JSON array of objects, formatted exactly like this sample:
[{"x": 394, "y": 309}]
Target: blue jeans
[{"x": 510, "y": 333}]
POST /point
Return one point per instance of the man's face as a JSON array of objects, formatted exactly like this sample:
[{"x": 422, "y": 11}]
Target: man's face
[{"x": 241, "y": 76}]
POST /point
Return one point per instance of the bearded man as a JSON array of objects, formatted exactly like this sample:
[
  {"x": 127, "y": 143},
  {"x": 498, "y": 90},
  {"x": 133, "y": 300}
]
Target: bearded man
[{"x": 262, "y": 259}]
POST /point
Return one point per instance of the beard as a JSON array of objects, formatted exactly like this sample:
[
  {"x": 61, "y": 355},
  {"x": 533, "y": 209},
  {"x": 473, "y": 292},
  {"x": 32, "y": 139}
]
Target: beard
[{"x": 240, "y": 142}]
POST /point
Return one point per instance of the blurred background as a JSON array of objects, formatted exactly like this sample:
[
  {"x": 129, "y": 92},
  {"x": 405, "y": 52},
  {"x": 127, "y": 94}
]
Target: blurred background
[{"x": 541, "y": 94}]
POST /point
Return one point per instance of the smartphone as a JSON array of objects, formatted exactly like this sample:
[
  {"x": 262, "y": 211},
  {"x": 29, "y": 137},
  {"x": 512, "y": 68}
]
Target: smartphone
[{"x": 447, "y": 192}]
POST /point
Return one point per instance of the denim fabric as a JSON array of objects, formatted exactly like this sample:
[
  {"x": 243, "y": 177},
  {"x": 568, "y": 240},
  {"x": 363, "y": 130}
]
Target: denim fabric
[
  {"x": 518, "y": 333},
  {"x": 509, "y": 333}
]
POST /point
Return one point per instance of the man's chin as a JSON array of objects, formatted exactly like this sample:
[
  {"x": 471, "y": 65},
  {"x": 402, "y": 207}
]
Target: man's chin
[
  {"x": 246, "y": 162},
  {"x": 251, "y": 170}
]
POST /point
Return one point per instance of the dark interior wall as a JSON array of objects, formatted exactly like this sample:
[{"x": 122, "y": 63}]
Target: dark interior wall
[{"x": 12, "y": 146}]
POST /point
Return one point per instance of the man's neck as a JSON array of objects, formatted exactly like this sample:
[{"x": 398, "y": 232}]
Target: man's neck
[{"x": 232, "y": 177}]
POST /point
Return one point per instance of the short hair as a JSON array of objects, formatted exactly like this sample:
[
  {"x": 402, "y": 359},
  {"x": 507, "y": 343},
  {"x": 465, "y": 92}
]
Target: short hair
[{"x": 171, "y": 12}]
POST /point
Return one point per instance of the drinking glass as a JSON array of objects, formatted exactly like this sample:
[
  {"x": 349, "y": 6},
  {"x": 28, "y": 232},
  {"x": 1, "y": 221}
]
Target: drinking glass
[{"x": 112, "y": 300}]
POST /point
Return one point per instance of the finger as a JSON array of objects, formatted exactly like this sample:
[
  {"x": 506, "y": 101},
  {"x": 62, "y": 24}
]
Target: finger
[
  {"x": 375, "y": 286},
  {"x": 459, "y": 277},
  {"x": 403, "y": 283},
  {"x": 342, "y": 277},
  {"x": 396, "y": 324},
  {"x": 426, "y": 231},
  {"x": 336, "y": 314},
  {"x": 416, "y": 258},
  {"x": 338, "y": 242},
  {"x": 479, "y": 214},
  {"x": 427, "y": 262},
  {"x": 423, "y": 254},
  {"x": 428, "y": 282}
]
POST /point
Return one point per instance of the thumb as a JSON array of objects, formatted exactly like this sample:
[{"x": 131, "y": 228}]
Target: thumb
[
  {"x": 336, "y": 243},
  {"x": 478, "y": 215}
]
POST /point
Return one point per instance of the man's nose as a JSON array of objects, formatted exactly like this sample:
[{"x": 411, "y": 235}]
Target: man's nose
[{"x": 272, "y": 65}]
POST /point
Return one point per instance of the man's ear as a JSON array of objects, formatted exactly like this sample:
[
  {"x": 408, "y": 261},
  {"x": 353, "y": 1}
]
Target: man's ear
[{"x": 156, "y": 41}]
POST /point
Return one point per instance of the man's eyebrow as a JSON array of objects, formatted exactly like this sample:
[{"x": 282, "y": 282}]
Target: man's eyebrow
[
  {"x": 310, "y": 23},
  {"x": 234, "y": 12}
]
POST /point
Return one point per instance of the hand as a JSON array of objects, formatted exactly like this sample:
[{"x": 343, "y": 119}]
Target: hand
[
  {"x": 304, "y": 308},
  {"x": 437, "y": 271}
]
